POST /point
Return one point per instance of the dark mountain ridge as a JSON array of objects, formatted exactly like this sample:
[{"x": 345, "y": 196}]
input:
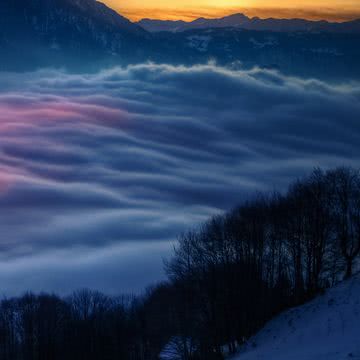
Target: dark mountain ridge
[
  {"x": 50, "y": 16},
  {"x": 86, "y": 35},
  {"x": 255, "y": 23},
  {"x": 55, "y": 29}
]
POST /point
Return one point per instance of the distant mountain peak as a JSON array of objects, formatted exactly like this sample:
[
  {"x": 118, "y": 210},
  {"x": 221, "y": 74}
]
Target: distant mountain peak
[
  {"x": 240, "y": 20},
  {"x": 236, "y": 16}
]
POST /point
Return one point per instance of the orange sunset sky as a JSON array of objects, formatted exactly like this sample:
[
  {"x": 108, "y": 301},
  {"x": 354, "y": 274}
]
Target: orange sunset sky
[{"x": 336, "y": 10}]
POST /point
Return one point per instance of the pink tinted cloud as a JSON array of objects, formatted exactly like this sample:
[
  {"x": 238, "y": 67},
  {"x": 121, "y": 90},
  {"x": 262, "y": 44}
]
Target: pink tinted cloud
[
  {"x": 17, "y": 110},
  {"x": 22, "y": 113},
  {"x": 5, "y": 181}
]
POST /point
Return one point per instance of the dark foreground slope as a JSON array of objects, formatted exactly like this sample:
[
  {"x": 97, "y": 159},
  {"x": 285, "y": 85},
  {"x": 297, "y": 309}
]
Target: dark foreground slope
[{"x": 326, "y": 328}]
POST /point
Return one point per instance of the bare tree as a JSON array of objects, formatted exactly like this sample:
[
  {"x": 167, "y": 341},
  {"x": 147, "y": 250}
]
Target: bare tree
[{"x": 345, "y": 189}]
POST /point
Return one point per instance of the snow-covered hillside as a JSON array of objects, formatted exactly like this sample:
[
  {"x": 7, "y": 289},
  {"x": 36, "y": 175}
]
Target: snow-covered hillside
[{"x": 327, "y": 328}]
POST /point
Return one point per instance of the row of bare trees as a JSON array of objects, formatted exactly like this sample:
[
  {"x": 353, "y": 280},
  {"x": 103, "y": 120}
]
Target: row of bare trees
[
  {"x": 87, "y": 325},
  {"x": 277, "y": 250},
  {"x": 225, "y": 280}
]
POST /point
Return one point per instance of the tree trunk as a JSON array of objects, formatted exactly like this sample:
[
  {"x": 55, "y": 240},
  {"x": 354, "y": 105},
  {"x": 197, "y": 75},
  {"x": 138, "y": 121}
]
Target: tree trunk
[{"x": 349, "y": 265}]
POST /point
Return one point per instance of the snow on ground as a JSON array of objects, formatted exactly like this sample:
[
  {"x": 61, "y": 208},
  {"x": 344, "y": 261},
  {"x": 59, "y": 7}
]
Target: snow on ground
[{"x": 327, "y": 328}]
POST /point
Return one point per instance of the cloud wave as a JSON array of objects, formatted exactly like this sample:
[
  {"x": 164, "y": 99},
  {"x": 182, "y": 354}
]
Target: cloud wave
[{"x": 121, "y": 161}]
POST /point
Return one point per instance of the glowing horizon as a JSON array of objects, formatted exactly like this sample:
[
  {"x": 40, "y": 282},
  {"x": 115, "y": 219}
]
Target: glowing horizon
[{"x": 332, "y": 10}]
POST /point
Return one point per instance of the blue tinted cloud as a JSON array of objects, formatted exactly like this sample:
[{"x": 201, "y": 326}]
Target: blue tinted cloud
[{"x": 93, "y": 165}]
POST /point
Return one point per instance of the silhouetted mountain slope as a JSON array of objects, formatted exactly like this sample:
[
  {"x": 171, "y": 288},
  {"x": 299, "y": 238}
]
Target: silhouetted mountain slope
[
  {"x": 56, "y": 29},
  {"x": 244, "y": 22}
]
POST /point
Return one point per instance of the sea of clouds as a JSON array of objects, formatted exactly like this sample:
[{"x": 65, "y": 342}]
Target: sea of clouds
[{"x": 99, "y": 173}]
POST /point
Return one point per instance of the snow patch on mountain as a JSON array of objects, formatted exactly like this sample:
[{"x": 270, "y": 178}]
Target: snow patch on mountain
[
  {"x": 269, "y": 41},
  {"x": 199, "y": 42},
  {"x": 326, "y": 51}
]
